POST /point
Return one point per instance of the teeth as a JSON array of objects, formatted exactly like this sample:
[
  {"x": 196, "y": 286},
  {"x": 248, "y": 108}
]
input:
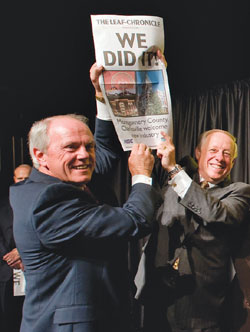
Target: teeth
[
  {"x": 217, "y": 166},
  {"x": 81, "y": 167}
]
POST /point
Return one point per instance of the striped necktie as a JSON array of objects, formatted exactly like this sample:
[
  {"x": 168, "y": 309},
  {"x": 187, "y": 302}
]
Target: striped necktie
[{"x": 204, "y": 184}]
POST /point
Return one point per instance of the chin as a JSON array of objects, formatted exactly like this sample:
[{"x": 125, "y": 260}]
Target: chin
[
  {"x": 85, "y": 179},
  {"x": 216, "y": 175},
  {"x": 80, "y": 180},
  {"x": 217, "y": 179}
]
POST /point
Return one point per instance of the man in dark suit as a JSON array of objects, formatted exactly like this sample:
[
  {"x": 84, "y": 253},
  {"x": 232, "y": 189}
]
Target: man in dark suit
[
  {"x": 196, "y": 236},
  {"x": 73, "y": 247},
  {"x": 10, "y": 305}
]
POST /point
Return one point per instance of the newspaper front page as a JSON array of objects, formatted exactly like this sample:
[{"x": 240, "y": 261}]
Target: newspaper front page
[{"x": 134, "y": 82}]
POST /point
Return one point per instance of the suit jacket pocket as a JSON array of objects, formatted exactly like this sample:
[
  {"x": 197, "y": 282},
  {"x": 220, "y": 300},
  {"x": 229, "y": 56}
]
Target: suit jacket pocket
[{"x": 75, "y": 314}]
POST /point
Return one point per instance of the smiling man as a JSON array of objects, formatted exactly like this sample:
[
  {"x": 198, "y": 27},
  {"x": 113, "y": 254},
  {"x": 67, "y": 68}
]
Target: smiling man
[
  {"x": 73, "y": 243},
  {"x": 70, "y": 154},
  {"x": 198, "y": 227},
  {"x": 216, "y": 153}
]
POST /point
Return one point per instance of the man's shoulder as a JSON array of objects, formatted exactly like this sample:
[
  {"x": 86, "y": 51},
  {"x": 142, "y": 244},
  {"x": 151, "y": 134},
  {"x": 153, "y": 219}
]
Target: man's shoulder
[
  {"x": 36, "y": 188},
  {"x": 234, "y": 189},
  {"x": 242, "y": 186}
]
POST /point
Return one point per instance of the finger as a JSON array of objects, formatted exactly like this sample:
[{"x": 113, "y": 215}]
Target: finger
[
  {"x": 162, "y": 57},
  {"x": 161, "y": 149},
  {"x": 149, "y": 150},
  {"x": 15, "y": 265},
  {"x": 141, "y": 147},
  {"x": 15, "y": 260},
  {"x": 164, "y": 135},
  {"x": 97, "y": 69},
  {"x": 159, "y": 153},
  {"x": 162, "y": 145},
  {"x": 95, "y": 72},
  {"x": 146, "y": 149},
  {"x": 135, "y": 147}
]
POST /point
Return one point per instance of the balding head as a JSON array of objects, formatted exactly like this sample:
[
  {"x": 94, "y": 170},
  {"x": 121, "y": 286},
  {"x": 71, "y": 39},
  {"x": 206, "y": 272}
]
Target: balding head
[{"x": 22, "y": 172}]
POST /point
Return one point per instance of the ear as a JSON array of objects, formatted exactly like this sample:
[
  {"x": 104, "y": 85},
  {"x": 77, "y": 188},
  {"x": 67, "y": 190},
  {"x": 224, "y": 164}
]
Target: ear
[
  {"x": 197, "y": 153},
  {"x": 40, "y": 156}
]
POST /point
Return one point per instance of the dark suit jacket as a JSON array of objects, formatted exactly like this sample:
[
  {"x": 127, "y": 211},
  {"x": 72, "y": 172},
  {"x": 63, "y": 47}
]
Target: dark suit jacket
[
  {"x": 239, "y": 299},
  {"x": 208, "y": 220},
  {"x": 75, "y": 251},
  {"x": 7, "y": 242}
]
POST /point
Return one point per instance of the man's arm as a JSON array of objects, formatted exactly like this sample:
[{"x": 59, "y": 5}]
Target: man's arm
[
  {"x": 64, "y": 214},
  {"x": 108, "y": 147},
  {"x": 229, "y": 205}
]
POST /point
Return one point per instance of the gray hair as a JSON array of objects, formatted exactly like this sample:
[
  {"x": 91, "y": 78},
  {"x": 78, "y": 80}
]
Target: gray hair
[
  {"x": 38, "y": 134},
  {"x": 204, "y": 136}
]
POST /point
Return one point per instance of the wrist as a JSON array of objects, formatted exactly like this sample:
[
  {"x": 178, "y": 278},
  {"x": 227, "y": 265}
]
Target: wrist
[
  {"x": 141, "y": 178},
  {"x": 177, "y": 168}
]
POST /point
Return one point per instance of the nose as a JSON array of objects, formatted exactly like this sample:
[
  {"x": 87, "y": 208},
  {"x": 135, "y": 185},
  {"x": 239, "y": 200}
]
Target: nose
[
  {"x": 220, "y": 155},
  {"x": 82, "y": 153}
]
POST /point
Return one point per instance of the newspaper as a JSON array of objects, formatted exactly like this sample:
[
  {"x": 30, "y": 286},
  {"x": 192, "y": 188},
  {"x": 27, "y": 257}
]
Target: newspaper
[
  {"x": 134, "y": 82},
  {"x": 18, "y": 283}
]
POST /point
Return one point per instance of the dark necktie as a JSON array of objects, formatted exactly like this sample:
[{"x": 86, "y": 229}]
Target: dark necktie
[{"x": 89, "y": 192}]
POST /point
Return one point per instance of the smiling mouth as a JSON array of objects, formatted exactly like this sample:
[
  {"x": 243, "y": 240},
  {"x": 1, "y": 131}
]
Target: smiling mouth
[
  {"x": 217, "y": 166},
  {"x": 80, "y": 167}
]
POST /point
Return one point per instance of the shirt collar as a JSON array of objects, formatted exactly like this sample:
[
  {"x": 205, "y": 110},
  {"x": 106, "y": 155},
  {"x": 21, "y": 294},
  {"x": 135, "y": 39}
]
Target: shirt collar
[{"x": 211, "y": 185}]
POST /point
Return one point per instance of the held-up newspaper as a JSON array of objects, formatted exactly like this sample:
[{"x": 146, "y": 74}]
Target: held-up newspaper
[{"x": 134, "y": 82}]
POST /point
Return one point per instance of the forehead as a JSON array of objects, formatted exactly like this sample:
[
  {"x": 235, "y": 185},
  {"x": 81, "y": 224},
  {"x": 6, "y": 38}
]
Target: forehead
[
  {"x": 220, "y": 140},
  {"x": 22, "y": 171},
  {"x": 69, "y": 129}
]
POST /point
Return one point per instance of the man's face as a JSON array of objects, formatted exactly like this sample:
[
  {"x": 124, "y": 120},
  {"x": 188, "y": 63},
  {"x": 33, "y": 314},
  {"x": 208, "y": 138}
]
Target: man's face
[
  {"x": 70, "y": 155},
  {"x": 216, "y": 157},
  {"x": 21, "y": 173}
]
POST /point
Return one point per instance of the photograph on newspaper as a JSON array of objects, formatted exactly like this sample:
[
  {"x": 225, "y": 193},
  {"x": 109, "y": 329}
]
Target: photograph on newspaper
[{"x": 134, "y": 81}]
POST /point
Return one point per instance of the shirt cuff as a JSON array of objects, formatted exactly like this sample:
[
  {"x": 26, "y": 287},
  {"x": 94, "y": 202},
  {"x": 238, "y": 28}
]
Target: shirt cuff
[
  {"x": 102, "y": 111},
  {"x": 139, "y": 178},
  {"x": 181, "y": 183}
]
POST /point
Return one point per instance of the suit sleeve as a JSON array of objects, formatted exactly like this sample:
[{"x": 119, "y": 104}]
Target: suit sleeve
[
  {"x": 61, "y": 215},
  {"x": 230, "y": 205},
  {"x": 108, "y": 148}
]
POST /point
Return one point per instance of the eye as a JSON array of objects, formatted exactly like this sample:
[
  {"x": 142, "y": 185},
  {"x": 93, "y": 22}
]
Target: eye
[
  {"x": 227, "y": 153},
  {"x": 91, "y": 146},
  {"x": 70, "y": 147}
]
